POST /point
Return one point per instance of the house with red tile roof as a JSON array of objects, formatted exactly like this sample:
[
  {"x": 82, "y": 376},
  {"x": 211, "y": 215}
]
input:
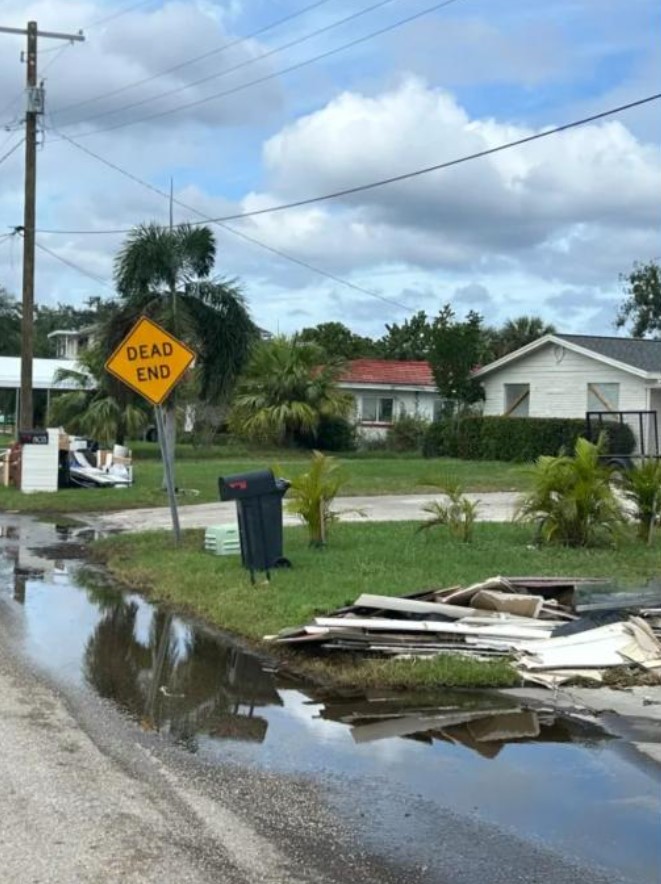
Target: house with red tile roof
[{"x": 387, "y": 389}]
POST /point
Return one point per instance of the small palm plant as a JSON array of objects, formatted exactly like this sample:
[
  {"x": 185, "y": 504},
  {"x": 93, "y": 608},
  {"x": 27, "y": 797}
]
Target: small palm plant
[
  {"x": 642, "y": 486},
  {"x": 459, "y": 513},
  {"x": 572, "y": 499},
  {"x": 312, "y": 493}
]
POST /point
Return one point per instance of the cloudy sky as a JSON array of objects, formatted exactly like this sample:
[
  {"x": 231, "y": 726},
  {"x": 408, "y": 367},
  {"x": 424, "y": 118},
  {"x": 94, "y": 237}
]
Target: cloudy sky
[{"x": 231, "y": 99}]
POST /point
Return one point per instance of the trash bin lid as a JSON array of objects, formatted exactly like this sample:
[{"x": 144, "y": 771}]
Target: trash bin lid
[{"x": 243, "y": 485}]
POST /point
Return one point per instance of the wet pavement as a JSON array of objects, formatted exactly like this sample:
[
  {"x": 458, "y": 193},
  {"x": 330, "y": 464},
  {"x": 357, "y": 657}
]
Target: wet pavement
[{"x": 434, "y": 782}]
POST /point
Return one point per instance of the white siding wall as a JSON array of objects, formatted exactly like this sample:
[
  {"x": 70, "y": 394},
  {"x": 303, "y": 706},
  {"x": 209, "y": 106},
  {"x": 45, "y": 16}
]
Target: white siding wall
[
  {"x": 411, "y": 402},
  {"x": 558, "y": 381}
]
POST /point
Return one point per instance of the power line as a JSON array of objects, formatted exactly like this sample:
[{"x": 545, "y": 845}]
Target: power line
[
  {"x": 237, "y": 67},
  {"x": 74, "y": 266},
  {"x": 11, "y": 151},
  {"x": 251, "y": 239},
  {"x": 118, "y": 14},
  {"x": 275, "y": 74},
  {"x": 225, "y": 46},
  {"x": 359, "y": 188}
]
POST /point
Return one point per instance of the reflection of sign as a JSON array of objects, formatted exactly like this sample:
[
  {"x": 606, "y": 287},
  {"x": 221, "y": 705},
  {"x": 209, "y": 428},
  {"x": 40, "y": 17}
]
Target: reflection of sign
[
  {"x": 150, "y": 360},
  {"x": 33, "y": 437}
]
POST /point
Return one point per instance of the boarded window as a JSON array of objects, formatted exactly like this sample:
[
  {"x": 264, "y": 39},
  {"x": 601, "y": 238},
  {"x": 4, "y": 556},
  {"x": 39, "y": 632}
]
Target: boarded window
[
  {"x": 517, "y": 400},
  {"x": 603, "y": 397}
]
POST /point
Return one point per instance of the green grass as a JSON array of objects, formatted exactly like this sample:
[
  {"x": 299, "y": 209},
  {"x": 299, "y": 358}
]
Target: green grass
[
  {"x": 388, "y": 559},
  {"x": 368, "y": 475}
]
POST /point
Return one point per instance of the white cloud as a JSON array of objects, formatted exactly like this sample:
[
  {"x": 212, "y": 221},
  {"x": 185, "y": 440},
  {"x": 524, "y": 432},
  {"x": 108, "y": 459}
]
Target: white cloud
[{"x": 504, "y": 235}]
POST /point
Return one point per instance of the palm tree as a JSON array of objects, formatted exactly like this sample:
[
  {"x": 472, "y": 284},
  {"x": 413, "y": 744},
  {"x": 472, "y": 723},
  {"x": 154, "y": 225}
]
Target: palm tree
[
  {"x": 516, "y": 333},
  {"x": 100, "y": 407},
  {"x": 166, "y": 274},
  {"x": 286, "y": 389}
]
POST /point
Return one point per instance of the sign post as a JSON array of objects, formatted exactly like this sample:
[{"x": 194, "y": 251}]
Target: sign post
[{"x": 151, "y": 361}]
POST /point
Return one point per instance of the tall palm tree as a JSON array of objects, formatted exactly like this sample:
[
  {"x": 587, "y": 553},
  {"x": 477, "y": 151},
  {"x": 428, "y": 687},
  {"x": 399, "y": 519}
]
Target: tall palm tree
[
  {"x": 166, "y": 274},
  {"x": 287, "y": 387},
  {"x": 516, "y": 333}
]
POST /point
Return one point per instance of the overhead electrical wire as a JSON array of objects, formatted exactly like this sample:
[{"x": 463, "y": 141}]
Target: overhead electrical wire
[
  {"x": 118, "y": 14},
  {"x": 11, "y": 150},
  {"x": 239, "y": 233},
  {"x": 294, "y": 67},
  {"x": 243, "y": 64},
  {"x": 73, "y": 266},
  {"x": 204, "y": 55},
  {"x": 372, "y": 185}
]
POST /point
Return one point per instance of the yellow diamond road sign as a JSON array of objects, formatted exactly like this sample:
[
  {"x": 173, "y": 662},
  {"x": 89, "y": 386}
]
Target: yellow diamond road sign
[{"x": 150, "y": 360}]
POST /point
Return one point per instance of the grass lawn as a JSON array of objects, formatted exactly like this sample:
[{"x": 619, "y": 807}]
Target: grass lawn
[
  {"x": 389, "y": 559},
  {"x": 198, "y": 470}
]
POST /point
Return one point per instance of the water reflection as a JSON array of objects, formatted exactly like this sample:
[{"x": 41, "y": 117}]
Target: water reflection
[{"x": 175, "y": 678}]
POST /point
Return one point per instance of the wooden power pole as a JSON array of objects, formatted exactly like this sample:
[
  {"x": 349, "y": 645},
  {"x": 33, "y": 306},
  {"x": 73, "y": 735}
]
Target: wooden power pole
[{"x": 34, "y": 107}]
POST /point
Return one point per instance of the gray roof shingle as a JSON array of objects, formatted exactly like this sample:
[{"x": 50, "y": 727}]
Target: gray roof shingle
[{"x": 642, "y": 354}]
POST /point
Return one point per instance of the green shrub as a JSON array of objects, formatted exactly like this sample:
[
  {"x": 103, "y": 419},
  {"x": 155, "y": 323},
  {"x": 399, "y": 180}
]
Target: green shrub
[
  {"x": 620, "y": 438},
  {"x": 642, "y": 486},
  {"x": 335, "y": 434},
  {"x": 407, "y": 433},
  {"x": 520, "y": 439},
  {"x": 572, "y": 501},
  {"x": 458, "y": 514},
  {"x": 312, "y": 493}
]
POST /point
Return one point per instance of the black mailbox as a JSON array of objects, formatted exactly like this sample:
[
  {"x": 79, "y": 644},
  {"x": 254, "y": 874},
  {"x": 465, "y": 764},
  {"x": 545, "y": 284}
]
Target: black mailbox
[
  {"x": 258, "y": 497},
  {"x": 245, "y": 485}
]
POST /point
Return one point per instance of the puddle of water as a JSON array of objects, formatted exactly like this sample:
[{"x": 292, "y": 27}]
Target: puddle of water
[{"x": 550, "y": 779}]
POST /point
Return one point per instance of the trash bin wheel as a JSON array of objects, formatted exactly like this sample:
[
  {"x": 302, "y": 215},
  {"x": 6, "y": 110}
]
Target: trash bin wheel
[{"x": 282, "y": 562}]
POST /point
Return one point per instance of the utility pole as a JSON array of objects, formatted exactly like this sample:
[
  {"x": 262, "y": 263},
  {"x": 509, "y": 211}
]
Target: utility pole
[{"x": 34, "y": 107}]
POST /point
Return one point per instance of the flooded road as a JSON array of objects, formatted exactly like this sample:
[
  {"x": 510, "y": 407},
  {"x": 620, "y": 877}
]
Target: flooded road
[{"x": 456, "y": 786}]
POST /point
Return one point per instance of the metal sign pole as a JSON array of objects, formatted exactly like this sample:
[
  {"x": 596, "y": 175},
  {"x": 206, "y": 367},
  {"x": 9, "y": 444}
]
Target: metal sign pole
[{"x": 160, "y": 425}]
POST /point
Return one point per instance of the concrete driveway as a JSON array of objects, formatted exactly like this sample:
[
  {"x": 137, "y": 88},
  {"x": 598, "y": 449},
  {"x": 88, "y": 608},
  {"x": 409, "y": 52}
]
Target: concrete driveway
[{"x": 494, "y": 506}]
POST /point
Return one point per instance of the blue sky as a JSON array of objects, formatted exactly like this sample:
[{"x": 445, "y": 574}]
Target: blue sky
[{"x": 545, "y": 228}]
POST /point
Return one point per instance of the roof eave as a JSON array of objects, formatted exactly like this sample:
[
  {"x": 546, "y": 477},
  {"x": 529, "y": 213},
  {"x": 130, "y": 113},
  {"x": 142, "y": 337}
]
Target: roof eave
[{"x": 562, "y": 342}]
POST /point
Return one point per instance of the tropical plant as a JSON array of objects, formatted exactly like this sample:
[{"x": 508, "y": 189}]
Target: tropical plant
[
  {"x": 516, "y": 333},
  {"x": 458, "y": 514},
  {"x": 100, "y": 407},
  {"x": 286, "y": 389},
  {"x": 312, "y": 493},
  {"x": 166, "y": 274},
  {"x": 572, "y": 499},
  {"x": 642, "y": 487}
]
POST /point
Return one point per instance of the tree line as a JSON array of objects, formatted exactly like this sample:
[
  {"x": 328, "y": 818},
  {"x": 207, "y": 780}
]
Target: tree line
[{"x": 278, "y": 388}]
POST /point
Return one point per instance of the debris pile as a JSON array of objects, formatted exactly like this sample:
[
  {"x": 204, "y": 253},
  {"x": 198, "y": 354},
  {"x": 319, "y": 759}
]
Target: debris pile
[{"x": 532, "y": 621}]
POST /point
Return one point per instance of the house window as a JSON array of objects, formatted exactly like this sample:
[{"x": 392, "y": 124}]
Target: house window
[
  {"x": 440, "y": 409},
  {"x": 377, "y": 409},
  {"x": 603, "y": 397},
  {"x": 517, "y": 400}
]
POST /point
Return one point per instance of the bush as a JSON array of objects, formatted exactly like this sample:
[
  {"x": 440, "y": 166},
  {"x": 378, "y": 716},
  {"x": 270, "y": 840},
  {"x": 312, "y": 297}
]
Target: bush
[
  {"x": 642, "y": 487},
  {"x": 515, "y": 438},
  {"x": 572, "y": 501},
  {"x": 407, "y": 433},
  {"x": 620, "y": 438},
  {"x": 335, "y": 434}
]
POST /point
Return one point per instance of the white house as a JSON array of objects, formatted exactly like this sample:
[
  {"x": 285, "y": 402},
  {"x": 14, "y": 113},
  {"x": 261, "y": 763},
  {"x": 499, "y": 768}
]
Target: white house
[
  {"x": 569, "y": 375},
  {"x": 387, "y": 389},
  {"x": 69, "y": 343}
]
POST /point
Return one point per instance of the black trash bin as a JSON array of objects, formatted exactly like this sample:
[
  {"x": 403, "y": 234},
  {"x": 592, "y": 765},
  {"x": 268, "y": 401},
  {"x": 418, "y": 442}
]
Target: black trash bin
[{"x": 258, "y": 497}]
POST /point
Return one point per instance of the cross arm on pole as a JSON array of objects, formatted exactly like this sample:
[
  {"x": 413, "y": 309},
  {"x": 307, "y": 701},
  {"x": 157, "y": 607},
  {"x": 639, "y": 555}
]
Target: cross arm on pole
[{"x": 54, "y": 35}]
